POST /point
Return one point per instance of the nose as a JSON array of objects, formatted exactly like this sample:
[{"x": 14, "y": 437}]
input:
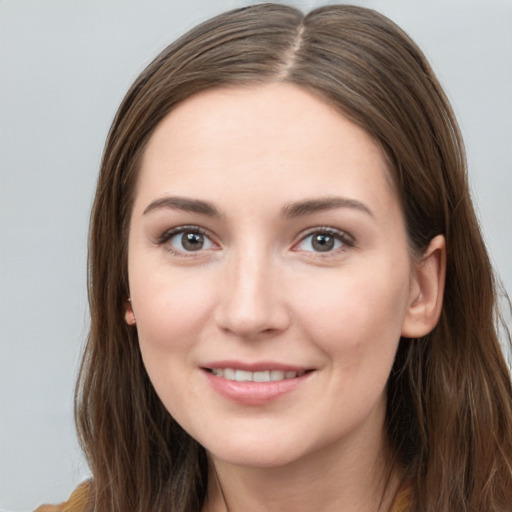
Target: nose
[{"x": 252, "y": 301}]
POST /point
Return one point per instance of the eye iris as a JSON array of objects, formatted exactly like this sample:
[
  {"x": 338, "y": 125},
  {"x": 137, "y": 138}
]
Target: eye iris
[
  {"x": 322, "y": 242},
  {"x": 192, "y": 241}
]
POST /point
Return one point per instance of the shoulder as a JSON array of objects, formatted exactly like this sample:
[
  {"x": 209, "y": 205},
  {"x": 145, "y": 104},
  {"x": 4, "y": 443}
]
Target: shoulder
[
  {"x": 79, "y": 501},
  {"x": 403, "y": 498}
]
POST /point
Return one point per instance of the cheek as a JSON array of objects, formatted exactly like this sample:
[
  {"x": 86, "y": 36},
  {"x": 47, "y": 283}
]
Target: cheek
[
  {"x": 170, "y": 307},
  {"x": 172, "y": 312},
  {"x": 358, "y": 316}
]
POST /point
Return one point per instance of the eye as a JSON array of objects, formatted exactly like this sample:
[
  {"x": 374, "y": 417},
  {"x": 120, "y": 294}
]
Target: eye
[
  {"x": 324, "y": 240},
  {"x": 187, "y": 239}
]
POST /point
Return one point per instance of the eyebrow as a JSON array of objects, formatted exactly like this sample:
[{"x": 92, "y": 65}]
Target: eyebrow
[
  {"x": 310, "y": 206},
  {"x": 185, "y": 204},
  {"x": 295, "y": 209}
]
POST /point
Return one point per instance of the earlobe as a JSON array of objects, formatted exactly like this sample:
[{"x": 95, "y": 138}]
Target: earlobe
[
  {"x": 129, "y": 315},
  {"x": 427, "y": 289}
]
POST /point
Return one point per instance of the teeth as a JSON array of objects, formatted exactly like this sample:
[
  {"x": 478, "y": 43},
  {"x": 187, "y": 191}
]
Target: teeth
[
  {"x": 228, "y": 373},
  {"x": 262, "y": 376},
  {"x": 276, "y": 375},
  {"x": 243, "y": 376}
]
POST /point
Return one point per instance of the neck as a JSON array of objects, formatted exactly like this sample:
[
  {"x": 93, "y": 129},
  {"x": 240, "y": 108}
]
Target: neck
[{"x": 355, "y": 479}]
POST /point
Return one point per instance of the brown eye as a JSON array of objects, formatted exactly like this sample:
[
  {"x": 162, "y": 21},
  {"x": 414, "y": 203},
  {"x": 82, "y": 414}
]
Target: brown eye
[
  {"x": 322, "y": 242},
  {"x": 186, "y": 240},
  {"x": 192, "y": 241}
]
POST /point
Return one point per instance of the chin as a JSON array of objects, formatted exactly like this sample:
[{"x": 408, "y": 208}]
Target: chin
[
  {"x": 261, "y": 460},
  {"x": 255, "y": 454}
]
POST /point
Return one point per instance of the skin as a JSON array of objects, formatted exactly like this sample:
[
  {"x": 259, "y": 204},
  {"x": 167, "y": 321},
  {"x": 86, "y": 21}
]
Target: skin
[{"x": 260, "y": 290}]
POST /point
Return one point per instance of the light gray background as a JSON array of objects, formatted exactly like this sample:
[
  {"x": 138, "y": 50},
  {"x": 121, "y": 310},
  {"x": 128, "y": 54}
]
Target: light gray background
[{"x": 65, "y": 66}]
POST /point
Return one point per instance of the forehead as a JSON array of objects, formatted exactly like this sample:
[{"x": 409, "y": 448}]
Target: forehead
[{"x": 276, "y": 137}]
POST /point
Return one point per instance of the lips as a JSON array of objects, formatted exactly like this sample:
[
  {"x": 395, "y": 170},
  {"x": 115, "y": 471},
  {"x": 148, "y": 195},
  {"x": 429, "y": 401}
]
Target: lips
[{"x": 255, "y": 384}]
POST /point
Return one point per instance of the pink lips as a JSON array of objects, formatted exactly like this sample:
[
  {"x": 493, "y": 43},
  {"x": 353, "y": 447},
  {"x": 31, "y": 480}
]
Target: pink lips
[{"x": 255, "y": 383}]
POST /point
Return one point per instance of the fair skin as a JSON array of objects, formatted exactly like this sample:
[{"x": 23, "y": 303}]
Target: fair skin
[{"x": 266, "y": 237}]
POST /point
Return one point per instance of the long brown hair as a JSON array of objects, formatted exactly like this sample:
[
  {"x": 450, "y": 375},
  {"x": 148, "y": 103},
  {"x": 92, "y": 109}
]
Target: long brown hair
[{"x": 449, "y": 417}]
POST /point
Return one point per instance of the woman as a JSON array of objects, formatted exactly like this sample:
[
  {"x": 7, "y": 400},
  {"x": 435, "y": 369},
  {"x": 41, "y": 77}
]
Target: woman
[{"x": 291, "y": 304}]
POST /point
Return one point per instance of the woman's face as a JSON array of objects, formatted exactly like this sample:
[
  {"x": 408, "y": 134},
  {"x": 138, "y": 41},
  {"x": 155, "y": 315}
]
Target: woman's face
[{"x": 269, "y": 275}]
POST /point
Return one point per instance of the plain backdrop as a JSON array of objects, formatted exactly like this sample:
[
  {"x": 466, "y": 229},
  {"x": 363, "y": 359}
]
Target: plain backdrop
[{"x": 65, "y": 66}]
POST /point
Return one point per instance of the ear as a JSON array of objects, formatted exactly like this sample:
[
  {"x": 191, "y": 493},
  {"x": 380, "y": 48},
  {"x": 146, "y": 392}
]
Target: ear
[
  {"x": 129, "y": 315},
  {"x": 427, "y": 288}
]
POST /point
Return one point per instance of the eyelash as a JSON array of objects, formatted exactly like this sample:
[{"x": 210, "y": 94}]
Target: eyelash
[
  {"x": 169, "y": 235},
  {"x": 340, "y": 236}
]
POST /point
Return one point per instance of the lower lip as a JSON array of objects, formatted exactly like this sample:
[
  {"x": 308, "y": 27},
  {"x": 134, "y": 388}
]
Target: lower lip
[{"x": 254, "y": 393}]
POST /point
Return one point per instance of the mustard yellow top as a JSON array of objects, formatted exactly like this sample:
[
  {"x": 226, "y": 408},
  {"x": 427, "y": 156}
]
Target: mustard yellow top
[
  {"x": 403, "y": 499},
  {"x": 79, "y": 500}
]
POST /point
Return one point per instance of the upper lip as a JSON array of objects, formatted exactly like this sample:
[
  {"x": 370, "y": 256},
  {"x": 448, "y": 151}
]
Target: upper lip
[{"x": 258, "y": 366}]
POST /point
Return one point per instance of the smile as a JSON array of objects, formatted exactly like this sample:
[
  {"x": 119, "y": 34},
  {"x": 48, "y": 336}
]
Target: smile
[
  {"x": 258, "y": 376},
  {"x": 255, "y": 384}
]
